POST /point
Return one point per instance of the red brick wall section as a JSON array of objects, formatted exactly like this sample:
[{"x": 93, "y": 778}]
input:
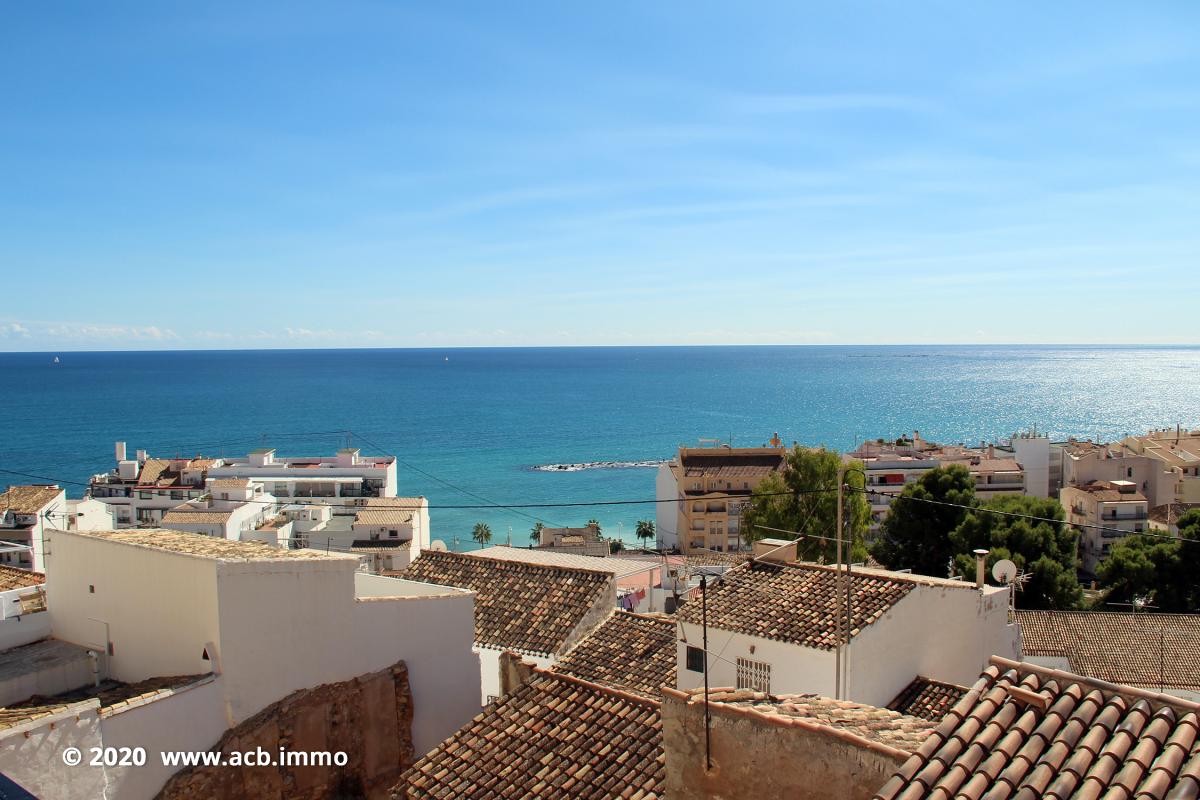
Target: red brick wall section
[{"x": 369, "y": 718}]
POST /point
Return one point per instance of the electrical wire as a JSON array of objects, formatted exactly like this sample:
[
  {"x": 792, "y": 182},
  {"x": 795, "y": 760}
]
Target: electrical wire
[{"x": 1032, "y": 517}]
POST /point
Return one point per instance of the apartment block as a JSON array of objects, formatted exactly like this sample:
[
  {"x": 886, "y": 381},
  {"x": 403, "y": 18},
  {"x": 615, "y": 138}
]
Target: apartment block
[
  {"x": 1104, "y": 513},
  {"x": 711, "y": 486}
]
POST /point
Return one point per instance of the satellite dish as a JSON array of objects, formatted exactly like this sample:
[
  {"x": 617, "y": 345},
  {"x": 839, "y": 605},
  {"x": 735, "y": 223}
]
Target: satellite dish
[
  {"x": 438, "y": 546},
  {"x": 1004, "y": 571}
]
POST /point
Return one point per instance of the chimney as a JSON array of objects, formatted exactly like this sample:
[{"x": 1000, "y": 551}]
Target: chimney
[
  {"x": 980, "y": 561},
  {"x": 141, "y": 456},
  {"x": 120, "y": 451},
  {"x": 991, "y": 451}
]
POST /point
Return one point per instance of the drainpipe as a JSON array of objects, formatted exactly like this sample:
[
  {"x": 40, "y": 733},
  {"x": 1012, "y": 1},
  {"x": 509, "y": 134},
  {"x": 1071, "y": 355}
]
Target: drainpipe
[
  {"x": 94, "y": 658},
  {"x": 980, "y": 560}
]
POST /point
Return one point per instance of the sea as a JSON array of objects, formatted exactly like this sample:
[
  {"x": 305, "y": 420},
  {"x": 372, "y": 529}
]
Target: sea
[{"x": 507, "y": 426}]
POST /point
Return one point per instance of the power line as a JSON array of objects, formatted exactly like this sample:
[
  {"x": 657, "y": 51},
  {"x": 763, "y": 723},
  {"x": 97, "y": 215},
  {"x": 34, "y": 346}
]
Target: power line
[
  {"x": 1031, "y": 517},
  {"x": 487, "y": 505},
  {"x": 441, "y": 481}
]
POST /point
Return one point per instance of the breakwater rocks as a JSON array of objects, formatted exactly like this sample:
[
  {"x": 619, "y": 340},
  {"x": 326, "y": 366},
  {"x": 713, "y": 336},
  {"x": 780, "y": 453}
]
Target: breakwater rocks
[{"x": 597, "y": 465}]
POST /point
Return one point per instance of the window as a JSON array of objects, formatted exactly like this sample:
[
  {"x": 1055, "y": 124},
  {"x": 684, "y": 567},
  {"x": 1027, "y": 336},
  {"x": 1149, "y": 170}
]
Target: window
[
  {"x": 695, "y": 659},
  {"x": 754, "y": 675},
  {"x": 393, "y": 534}
]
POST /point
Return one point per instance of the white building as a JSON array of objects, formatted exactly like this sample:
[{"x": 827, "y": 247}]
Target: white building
[
  {"x": 1085, "y": 463},
  {"x": 23, "y": 617},
  {"x": 250, "y": 623},
  {"x": 1177, "y": 450},
  {"x": 997, "y": 469},
  {"x": 1103, "y": 513},
  {"x": 88, "y": 514},
  {"x": 142, "y": 489},
  {"x": 780, "y": 628},
  {"x": 234, "y": 508},
  {"x": 26, "y": 513},
  {"x": 348, "y": 474}
]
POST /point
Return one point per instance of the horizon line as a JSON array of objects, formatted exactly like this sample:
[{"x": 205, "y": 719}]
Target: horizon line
[{"x": 601, "y": 347}]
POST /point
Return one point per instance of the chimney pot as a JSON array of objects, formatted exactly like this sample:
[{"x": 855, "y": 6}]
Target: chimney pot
[{"x": 980, "y": 562}]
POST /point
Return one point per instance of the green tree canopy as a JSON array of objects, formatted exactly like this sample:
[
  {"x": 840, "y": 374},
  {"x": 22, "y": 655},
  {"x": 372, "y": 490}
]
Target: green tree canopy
[
  {"x": 645, "y": 530},
  {"x": 1043, "y": 550},
  {"x": 481, "y": 533},
  {"x": 803, "y": 498},
  {"x": 1160, "y": 570},
  {"x": 535, "y": 534},
  {"x": 595, "y": 522},
  {"x": 916, "y": 533}
]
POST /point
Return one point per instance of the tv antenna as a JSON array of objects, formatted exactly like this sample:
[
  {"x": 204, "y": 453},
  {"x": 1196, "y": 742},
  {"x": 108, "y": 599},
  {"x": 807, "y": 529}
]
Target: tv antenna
[{"x": 1006, "y": 573}]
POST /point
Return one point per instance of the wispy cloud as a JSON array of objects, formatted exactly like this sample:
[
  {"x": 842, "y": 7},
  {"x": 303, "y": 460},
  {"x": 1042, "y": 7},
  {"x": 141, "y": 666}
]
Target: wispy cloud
[
  {"x": 75, "y": 332},
  {"x": 13, "y": 330}
]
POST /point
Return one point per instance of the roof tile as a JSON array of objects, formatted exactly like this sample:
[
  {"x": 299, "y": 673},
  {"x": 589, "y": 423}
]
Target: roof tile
[
  {"x": 556, "y": 737},
  {"x": 796, "y": 603},
  {"x": 627, "y": 651},
  {"x": 529, "y": 608},
  {"x": 1094, "y": 738},
  {"x": 1149, "y": 650}
]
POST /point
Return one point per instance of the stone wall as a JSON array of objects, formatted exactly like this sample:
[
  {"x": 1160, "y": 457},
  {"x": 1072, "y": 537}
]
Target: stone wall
[
  {"x": 756, "y": 757},
  {"x": 368, "y": 718}
]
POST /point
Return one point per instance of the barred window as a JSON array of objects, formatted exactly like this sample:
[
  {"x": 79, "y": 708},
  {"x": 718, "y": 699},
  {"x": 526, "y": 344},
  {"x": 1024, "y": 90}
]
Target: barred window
[{"x": 754, "y": 675}]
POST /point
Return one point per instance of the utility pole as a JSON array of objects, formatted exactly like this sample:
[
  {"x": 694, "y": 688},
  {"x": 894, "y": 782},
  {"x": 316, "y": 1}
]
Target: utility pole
[
  {"x": 837, "y": 678},
  {"x": 704, "y": 620}
]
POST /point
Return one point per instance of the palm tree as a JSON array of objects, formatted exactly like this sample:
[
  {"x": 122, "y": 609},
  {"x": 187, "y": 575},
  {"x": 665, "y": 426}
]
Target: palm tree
[
  {"x": 645, "y": 530},
  {"x": 535, "y": 535},
  {"x": 482, "y": 533}
]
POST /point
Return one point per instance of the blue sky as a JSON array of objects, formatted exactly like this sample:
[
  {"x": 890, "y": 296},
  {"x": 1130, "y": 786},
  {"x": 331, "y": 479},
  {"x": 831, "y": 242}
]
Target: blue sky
[{"x": 209, "y": 175}]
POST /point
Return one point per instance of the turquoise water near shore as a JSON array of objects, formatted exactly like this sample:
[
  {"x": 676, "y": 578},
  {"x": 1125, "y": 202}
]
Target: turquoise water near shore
[{"x": 481, "y": 419}]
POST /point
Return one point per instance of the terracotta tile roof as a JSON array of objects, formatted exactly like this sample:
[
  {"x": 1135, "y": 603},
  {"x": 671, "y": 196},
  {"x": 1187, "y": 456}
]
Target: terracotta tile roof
[
  {"x": 1027, "y": 732},
  {"x": 199, "y": 544},
  {"x": 1171, "y": 512},
  {"x": 729, "y": 465},
  {"x": 927, "y": 699},
  {"x": 529, "y": 608},
  {"x": 383, "y": 516},
  {"x": 380, "y": 545},
  {"x": 627, "y": 651},
  {"x": 880, "y": 725},
  {"x": 798, "y": 604},
  {"x": 13, "y": 578},
  {"x": 185, "y": 517},
  {"x": 27, "y": 499},
  {"x": 229, "y": 483},
  {"x": 113, "y": 696},
  {"x": 155, "y": 473},
  {"x": 711, "y": 559},
  {"x": 1114, "y": 496},
  {"x": 392, "y": 502},
  {"x": 1149, "y": 650},
  {"x": 555, "y": 738}
]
